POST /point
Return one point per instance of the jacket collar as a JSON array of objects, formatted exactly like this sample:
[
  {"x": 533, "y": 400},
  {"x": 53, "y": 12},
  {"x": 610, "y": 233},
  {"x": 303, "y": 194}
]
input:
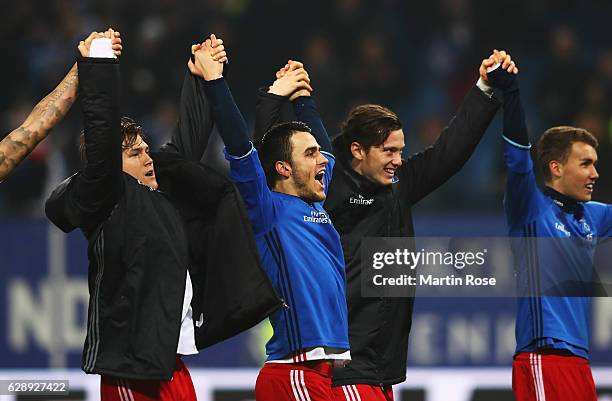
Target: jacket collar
[
  {"x": 566, "y": 203},
  {"x": 361, "y": 182}
]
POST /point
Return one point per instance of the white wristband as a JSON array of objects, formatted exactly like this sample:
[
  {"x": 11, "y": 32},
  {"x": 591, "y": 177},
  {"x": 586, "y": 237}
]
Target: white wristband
[
  {"x": 493, "y": 67},
  {"x": 101, "y": 48}
]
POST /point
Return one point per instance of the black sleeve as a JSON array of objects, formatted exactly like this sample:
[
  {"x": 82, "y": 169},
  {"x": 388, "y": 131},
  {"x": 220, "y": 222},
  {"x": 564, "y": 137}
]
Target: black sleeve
[
  {"x": 515, "y": 126},
  {"x": 93, "y": 193},
  {"x": 425, "y": 171},
  {"x": 268, "y": 112},
  {"x": 194, "y": 126},
  {"x": 306, "y": 112},
  {"x": 227, "y": 117}
]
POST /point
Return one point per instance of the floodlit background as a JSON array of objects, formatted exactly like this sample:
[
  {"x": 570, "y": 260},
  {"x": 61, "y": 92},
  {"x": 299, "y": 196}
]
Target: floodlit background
[{"x": 418, "y": 58}]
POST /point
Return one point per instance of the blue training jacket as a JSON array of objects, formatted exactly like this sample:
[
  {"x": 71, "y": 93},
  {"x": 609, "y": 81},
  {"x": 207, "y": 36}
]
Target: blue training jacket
[
  {"x": 301, "y": 252},
  {"x": 560, "y": 239}
]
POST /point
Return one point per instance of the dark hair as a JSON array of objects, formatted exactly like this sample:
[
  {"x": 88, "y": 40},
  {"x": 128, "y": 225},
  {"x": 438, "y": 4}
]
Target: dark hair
[
  {"x": 556, "y": 144},
  {"x": 369, "y": 125},
  {"x": 276, "y": 146},
  {"x": 130, "y": 131}
]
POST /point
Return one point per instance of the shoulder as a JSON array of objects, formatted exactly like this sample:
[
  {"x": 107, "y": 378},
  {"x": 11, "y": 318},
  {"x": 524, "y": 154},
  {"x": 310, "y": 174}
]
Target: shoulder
[
  {"x": 284, "y": 201},
  {"x": 596, "y": 205},
  {"x": 341, "y": 183},
  {"x": 597, "y": 208}
]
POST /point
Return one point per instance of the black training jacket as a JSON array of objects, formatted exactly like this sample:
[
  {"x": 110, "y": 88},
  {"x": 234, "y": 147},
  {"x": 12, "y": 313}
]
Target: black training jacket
[
  {"x": 141, "y": 242},
  {"x": 379, "y": 327}
]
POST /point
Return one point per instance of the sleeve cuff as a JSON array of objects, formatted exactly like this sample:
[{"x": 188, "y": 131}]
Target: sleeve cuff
[
  {"x": 263, "y": 92},
  {"x": 515, "y": 144},
  {"x": 232, "y": 157},
  {"x": 303, "y": 100},
  {"x": 328, "y": 154},
  {"x": 484, "y": 87},
  {"x": 96, "y": 60},
  {"x": 214, "y": 82}
]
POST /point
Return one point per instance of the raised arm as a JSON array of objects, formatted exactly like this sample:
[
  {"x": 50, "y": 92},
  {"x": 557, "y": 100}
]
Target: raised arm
[
  {"x": 245, "y": 167},
  {"x": 229, "y": 120},
  {"x": 306, "y": 109},
  {"x": 268, "y": 112},
  {"x": 195, "y": 123},
  {"x": 43, "y": 118},
  {"x": 45, "y": 115},
  {"x": 522, "y": 193},
  {"x": 292, "y": 81},
  {"x": 88, "y": 198},
  {"x": 427, "y": 170}
]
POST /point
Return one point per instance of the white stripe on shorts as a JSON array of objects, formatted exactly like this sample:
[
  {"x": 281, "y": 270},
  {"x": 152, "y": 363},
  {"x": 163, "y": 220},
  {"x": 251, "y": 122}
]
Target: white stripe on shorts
[
  {"x": 356, "y": 392},
  {"x": 347, "y": 394},
  {"x": 535, "y": 361}
]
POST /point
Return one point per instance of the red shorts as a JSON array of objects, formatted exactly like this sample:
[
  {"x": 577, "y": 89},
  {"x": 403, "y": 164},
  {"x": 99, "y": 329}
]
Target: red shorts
[
  {"x": 549, "y": 377},
  {"x": 179, "y": 388},
  {"x": 363, "y": 392},
  {"x": 305, "y": 381}
]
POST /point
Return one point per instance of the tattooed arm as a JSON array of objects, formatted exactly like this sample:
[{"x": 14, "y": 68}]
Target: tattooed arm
[{"x": 45, "y": 115}]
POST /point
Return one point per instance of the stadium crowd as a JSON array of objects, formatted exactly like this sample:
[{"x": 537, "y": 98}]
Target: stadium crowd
[{"x": 418, "y": 58}]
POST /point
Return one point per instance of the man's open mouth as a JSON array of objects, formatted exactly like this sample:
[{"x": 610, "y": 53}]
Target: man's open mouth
[
  {"x": 150, "y": 173},
  {"x": 319, "y": 177}
]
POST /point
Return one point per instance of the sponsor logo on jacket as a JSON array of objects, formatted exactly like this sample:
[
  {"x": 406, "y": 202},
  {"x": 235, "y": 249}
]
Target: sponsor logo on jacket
[
  {"x": 317, "y": 217},
  {"x": 561, "y": 227},
  {"x": 360, "y": 200},
  {"x": 586, "y": 228}
]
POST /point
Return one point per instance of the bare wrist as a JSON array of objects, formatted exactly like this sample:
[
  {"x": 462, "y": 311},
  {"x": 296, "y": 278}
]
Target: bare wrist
[{"x": 212, "y": 77}]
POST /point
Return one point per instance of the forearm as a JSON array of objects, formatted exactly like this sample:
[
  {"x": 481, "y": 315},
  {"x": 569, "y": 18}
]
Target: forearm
[
  {"x": 436, "y": 164},
  {"x": 99, "y": 91},
  {"x": 226, "y": 115},
  {"x": 45, "y": 115},
  {"x": 268, "y": 109},
  {"x": 515, "y": 127},
  {"x": 459, "y": 139},
  {"x": 194, "y": 126},
  {"x": 306, "y": 111}
]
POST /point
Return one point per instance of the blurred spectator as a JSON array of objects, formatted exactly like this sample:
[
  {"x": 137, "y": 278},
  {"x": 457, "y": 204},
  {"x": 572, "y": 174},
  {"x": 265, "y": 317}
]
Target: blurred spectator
[
  {"x": 562, "y": 79},
  {"x": 321, "y": 61}
]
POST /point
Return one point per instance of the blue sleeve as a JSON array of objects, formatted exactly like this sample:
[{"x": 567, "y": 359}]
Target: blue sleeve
[
  {"x": 250, "y": 179},
  {"x": 328, "y": 169},
  {"x": 515, "y": 126},
  {"x": 523, "y": 199},
  {"x": 227, "y": 117},
  {"x": 606, "y": 223},
  {"x": 306, "y": 111},
  {"x": 603, "y": 218}
]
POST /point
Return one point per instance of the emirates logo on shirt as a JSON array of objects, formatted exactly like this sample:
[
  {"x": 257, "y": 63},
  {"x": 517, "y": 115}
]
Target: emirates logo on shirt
[
  {"x": 360, "y": 200},
  {"x": 317, "y": 217},
  {"x": 561, "y": 227}
]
